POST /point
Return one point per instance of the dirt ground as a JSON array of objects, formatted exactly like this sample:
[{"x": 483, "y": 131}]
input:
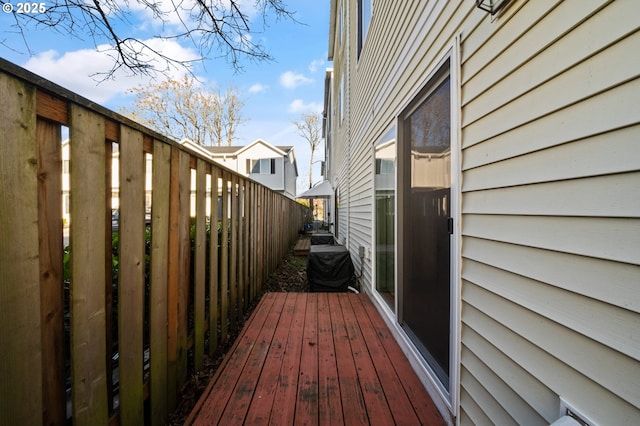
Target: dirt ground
[{"x": 291, "y": 276}]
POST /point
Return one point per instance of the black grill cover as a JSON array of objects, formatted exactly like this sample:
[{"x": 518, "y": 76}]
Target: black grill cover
[
  {"x": 321, "y": 239},
  {"x": 329, "y": 268}
]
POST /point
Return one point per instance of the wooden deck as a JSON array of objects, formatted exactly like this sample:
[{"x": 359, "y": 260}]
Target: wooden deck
[{"x": 316, "y": 358}]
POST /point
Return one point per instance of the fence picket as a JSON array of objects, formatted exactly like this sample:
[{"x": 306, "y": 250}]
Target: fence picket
[
  {"x": 200, "y": 250},
  {"x": 224, "y": 259},
  {"x": 214, "y": 265},
  {"x": 158, "y": 305},
  {"x": 49, "y": 139},
  {"x": 233, "y": 252},
  {"x": 88, "y": 319},
  {"x": 131, "y": 277}
]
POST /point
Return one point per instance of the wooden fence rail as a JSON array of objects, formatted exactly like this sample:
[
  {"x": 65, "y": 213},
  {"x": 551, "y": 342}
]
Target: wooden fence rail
[{"x": 133, "y": 339}]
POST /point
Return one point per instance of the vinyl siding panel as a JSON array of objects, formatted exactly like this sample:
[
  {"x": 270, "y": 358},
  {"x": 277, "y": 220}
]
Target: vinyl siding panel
[
  {"x": 599, "y": 155},
  {"x": 504, "y": 396},
  {"x": 578, "y": 274},
  {"x": 472, "y": 412},
  {"x": 571, "y": 50},
  {"x": 607, "y": 196},
  {"x": 560, "y": 127},
  {"x": 617, "y": 240},
  {"x": 507, "y": 378},
  {"x": 485, "y": 401},
  {"x": 551, "y": 208},
  {"x": 601, "y": 405},
  {"x": 361, "y": 207},
  {"x": 551, "y": 330}
]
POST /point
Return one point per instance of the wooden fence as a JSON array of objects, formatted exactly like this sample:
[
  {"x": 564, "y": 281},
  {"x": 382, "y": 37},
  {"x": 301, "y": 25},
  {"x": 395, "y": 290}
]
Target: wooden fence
[{"x": 176, "y": 292}]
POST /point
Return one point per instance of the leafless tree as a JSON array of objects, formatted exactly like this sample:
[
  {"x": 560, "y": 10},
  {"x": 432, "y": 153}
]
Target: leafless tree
[
  {"x": 186, "y": 109},
  {"x": 309, "y": 128},
  {"x": 232, "y": 113},
  {"x": 213, "y": 28}
]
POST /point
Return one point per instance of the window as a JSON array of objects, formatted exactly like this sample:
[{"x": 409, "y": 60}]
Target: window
[
  {"x": 341, "y": 100},
  {"x": 384, "y": 166},
  {"x": 263, "y": 166},
  {"x": 340, "y": 25},
  {"x": 364, "y": 17},
  {"x": 385, "y": 216}
]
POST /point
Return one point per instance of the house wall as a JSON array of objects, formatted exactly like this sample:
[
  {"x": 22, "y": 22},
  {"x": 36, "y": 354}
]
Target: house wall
[
  {"x": 229, "y": 162},
  {"x": 550, "y": 169},
  {"x": 339, "y": 151},
  {"x": 290, "y": 176},
  {"x": 551, "y": 201},
  {"x": 257, "y": 151}
]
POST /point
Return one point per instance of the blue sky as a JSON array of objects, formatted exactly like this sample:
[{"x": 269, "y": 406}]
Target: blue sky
[{"x": 275, "y": 93}]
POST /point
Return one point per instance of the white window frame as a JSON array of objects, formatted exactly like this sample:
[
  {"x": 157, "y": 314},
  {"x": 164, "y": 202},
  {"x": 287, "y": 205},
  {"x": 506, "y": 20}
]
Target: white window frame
[{"x": 364, "y": 21}]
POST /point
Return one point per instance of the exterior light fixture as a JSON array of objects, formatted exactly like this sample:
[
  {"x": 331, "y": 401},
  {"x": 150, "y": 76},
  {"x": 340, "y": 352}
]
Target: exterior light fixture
[{"x": 491, "y": 6}]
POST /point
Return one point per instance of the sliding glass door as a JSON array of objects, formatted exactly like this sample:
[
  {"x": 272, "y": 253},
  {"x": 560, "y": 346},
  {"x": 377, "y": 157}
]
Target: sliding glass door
[{"x": 427, "y": 225}]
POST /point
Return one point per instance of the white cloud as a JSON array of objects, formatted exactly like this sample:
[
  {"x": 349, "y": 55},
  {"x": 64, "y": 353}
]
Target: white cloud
[
  {"x": 316, "y": 64},
  {"x": 258, "y": 88},
  {"x": 81, "y": 71},
  {"x": 291, "y": 80},
  {"x": 298, "y": 107}
]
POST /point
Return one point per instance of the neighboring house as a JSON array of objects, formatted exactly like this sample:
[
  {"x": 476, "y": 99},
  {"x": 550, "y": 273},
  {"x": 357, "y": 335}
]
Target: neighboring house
[
  {"x": 275, "y": 167},
  {"x": 487, "y": 167},
  {"x": 272, "y": 166}
]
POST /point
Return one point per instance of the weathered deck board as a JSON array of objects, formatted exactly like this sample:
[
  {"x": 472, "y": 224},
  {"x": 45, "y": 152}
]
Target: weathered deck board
[
  {"x": 302, "y": 247},
  {"x": 318, "y": 358}
]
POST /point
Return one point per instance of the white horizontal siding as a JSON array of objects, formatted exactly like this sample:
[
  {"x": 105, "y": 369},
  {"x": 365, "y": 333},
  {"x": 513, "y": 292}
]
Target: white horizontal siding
[
  {"x": 602, "y": 154},
  {"x": 501, "y": 392},
  {"x": 599, "y": 404},
  {"x": 576, "y": 46},
  {"x": 606, "y": 196},
  {"x": 551, "y": 212},
  {"x": 472, "y": 413},
  {"x": 601, "y": 238},
  {"x": 512, "y": 43},
  {"x": 593, "y": 116},
  {"x": 597, "y": 74},
  {"x": 485, "y": 400},
  {"x": 509, "y": 380},
  {"x": 577, "y": 274},
  {"x": 616, "y": 328}
]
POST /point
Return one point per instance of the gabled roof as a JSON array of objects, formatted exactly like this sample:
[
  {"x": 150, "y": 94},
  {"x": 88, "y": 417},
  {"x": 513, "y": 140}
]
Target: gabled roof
[
  {"x": 237, "y": 150},
  {"x": 188, "y": 143},
  {"x": 223, "y": 149}
]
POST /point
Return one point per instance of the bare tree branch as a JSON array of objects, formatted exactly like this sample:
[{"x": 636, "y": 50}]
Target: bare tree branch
[
  {"x": 184, "y": 109},
  {"x": 310, "y": 129},
  {"x": 222, "y": 28}
]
